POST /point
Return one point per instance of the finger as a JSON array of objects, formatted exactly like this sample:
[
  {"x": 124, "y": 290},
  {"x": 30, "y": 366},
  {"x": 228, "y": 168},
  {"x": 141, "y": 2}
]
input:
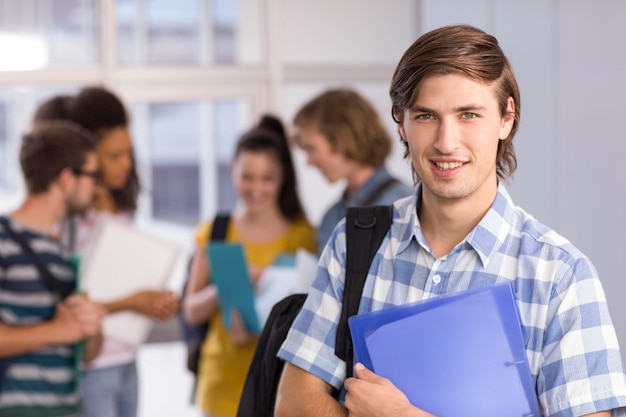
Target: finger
[
  {"x": 235, "y": 318},
  {"x": 365, "y": 374},
  {"x": 347, "y": 384}
]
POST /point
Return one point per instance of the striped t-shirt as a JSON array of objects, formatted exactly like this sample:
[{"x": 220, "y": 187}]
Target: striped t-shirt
[{"x": 41, "y": 383}]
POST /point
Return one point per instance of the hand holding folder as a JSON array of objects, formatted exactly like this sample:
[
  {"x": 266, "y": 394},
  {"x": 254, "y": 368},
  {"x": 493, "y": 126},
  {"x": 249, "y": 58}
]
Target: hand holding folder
[
  {"x": 120, "y": 261},
  {"x": 459, "y": 355},
  {"x": 230, "y": 274},
  {"x": 288, "y": 274}
]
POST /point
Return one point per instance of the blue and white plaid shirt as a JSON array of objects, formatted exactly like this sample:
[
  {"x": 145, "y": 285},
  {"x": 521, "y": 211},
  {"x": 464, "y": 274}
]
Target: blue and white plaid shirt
[{"x": 570, "y": 341}]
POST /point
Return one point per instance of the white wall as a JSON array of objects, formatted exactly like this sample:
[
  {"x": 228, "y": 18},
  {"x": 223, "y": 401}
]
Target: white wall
[{"x": 590, "y": 88}]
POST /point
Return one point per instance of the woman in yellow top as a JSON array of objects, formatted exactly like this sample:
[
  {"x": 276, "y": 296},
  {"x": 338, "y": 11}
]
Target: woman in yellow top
[{"x": 268, "y": 221}]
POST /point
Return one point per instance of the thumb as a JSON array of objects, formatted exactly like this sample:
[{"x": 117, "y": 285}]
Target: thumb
[
  {"x": 235, "y": 317},
  {"x": 361, "y": 372}
]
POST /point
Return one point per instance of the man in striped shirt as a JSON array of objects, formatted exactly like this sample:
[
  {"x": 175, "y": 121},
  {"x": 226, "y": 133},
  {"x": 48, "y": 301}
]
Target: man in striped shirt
[
  {"x": 456, "y": 104},
  {"x": 41, "y": 319}
]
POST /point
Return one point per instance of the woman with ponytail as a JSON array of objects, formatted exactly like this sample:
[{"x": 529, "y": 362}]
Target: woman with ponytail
[{"x": 268, "y": 220}]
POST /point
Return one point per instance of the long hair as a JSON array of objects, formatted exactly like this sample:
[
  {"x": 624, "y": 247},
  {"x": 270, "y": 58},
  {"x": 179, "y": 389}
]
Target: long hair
[
  {"x": 99, "y": 110},
  {"x": 269, "y": 136}
]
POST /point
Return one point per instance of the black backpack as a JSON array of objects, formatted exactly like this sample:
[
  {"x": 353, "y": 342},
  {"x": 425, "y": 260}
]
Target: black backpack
[
  {"x": 366, "y": 228},
  {"x": 194, "y": 335}
]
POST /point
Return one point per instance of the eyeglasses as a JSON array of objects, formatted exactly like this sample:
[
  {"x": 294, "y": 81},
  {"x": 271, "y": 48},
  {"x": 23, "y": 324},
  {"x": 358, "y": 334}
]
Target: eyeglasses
[{"x": 95, "y": 175}]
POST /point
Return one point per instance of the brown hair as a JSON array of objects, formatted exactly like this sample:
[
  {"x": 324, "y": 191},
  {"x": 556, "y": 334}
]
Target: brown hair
[
  {"x": 458, "y": 49},
  {"x": 269, "y": 136},
  {"x": 349, "y": 123},
  {"x": 51, "y": 147}
]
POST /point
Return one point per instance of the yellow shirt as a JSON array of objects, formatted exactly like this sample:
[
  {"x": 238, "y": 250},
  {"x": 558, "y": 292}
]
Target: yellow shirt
[{"x": 223, "y": 364}]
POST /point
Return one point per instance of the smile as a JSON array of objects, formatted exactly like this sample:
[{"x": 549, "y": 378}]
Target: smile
[{"x": 445, "y": 166}]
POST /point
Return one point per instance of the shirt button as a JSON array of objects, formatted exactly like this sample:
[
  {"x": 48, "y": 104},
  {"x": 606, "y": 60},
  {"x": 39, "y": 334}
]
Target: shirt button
[{"x": 437, "y": 279}]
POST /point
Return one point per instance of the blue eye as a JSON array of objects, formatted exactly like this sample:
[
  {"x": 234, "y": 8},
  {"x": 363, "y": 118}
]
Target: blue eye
[
  {"x": 424, "y": 116},
  {"x": 468, "y": 115}
]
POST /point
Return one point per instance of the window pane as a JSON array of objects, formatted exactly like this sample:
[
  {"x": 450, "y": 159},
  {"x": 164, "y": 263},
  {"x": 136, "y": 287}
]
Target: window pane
[
  {"x": 174, "y": 142},
  {"x": 189, "y": 148},
  {"x": 37, "y": 34},
  {"x": 188, "y": 32},
  {"x": 227, "y": 127}
]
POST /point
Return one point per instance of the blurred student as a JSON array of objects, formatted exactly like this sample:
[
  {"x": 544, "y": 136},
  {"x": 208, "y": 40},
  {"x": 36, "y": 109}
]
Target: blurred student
[
  {"x": 343, "y": 137},
  {"x": 268, "y": 220},
  {"x": 41, "y": 318},
  {"x": 110, "y": 381}
]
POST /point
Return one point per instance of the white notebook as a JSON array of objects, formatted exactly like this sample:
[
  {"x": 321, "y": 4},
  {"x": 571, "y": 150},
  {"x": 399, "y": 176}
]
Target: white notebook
[{"x": 120, "y": 261}]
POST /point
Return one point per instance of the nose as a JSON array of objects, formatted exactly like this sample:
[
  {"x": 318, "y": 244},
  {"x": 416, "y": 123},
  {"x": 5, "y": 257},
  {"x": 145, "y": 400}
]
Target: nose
[
  {"x": 128, "y": 161},
  {"x": 448, "y": 137}
]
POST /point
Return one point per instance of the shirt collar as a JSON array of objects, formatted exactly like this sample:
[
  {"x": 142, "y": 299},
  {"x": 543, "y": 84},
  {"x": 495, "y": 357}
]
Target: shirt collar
[
  {"x": 492, "y": 230},
  {"x": 486, "y": 238},
  {"x": 380, "y": 174}
]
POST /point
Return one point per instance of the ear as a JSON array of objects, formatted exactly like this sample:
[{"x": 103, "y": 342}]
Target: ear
[
  {"x": 401, "y": 130},
  {"x": 66, "y": 179},
  {"x": 508, "y": 119}
]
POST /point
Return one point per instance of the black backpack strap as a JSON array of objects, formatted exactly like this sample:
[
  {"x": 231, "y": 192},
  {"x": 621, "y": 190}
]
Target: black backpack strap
[
  {"x": 259, "y": 391},
  {"x": 366, "y": 228},
  {"x": 377, "y": 192},
  {"x": 220, "y": 225},
  {"x": 50, "y": 281}
]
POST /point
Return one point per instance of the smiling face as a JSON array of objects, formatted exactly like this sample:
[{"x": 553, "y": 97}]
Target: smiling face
[
  {"x": 452, "y": 132},
  {"x": 115, "y": 158},
  {"x": 257, "y": 177}
]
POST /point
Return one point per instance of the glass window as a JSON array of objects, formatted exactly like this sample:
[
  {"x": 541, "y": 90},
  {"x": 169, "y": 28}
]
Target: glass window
[
  {"x": 183, "y": 152},
  {"x": 186, "y": 32},
  {"x": 36, "y": 34},
  {"x": 228, "y": 127},
  {"x": 175, "y": 167}
]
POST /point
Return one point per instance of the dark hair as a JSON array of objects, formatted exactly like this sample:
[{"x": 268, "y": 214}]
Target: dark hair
[
  {"x": 99, "y": 111},
  {"x": 269, "y": 136},
  {"x": 350, "y": 125},
  {"x": 54, "y": 108},
  {"x": 466, "y": 50},
  {"x": 51, "y": 147}
]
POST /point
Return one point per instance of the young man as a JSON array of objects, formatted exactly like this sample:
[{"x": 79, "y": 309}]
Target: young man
[
  {"x": 344, "y": 138},
  {"x": 457, "y": 106},
  {"x": 39, "y": 330}
]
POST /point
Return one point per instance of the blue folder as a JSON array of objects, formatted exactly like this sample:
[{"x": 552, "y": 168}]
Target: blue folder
[
  {"x": 458, "y": 355},
  {"x": 229, "y": 272}
]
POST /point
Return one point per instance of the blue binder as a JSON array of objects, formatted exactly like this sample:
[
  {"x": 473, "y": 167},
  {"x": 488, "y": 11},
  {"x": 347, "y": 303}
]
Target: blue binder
[
  {"x": 234, "y": 288},
  {"x": 458, "y": 355}
]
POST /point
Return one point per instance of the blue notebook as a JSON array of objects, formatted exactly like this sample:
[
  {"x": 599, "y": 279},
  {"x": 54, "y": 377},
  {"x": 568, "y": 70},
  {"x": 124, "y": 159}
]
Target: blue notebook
[
  {"x": 457, "y": 355},
  {"x": 229, "y": 272}
]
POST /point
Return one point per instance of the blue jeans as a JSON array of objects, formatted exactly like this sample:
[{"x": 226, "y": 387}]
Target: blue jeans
[{"x": 111, "y": 392}]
